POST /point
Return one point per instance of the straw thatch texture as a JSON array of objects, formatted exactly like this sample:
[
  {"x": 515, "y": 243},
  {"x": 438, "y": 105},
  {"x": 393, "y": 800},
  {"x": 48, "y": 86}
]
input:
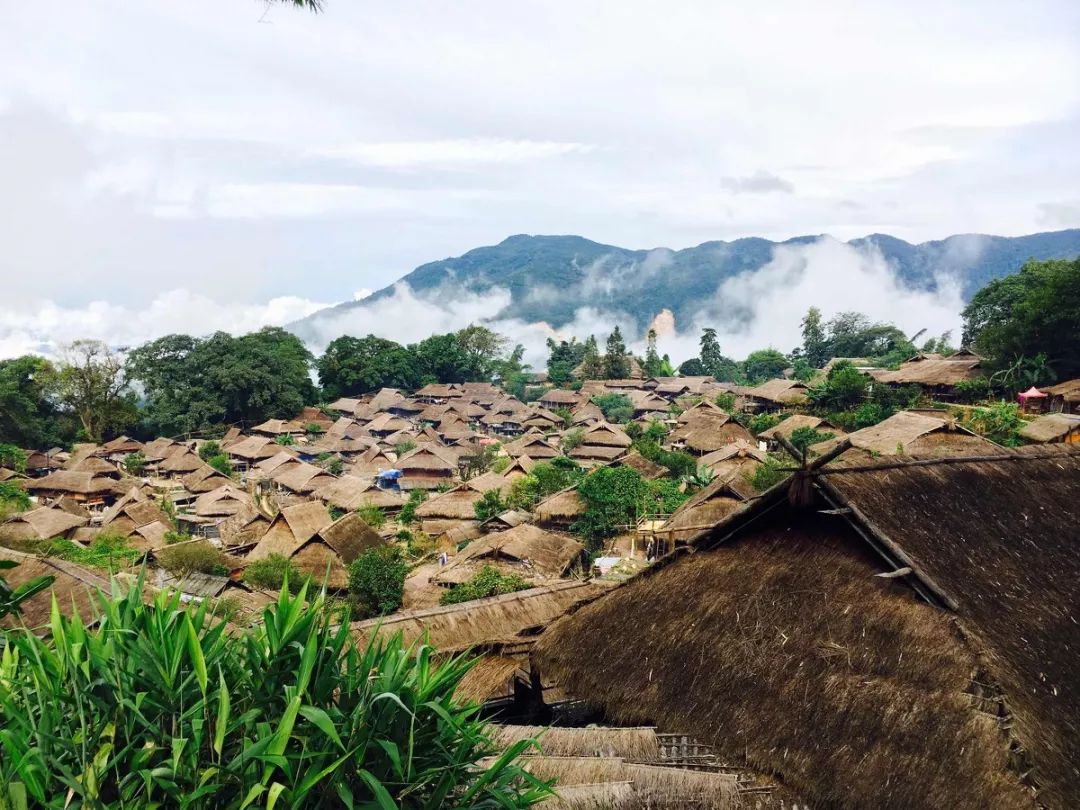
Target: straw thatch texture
[
  {"x": 204, "y": 479},
  {"x": 706, "y": 508},
  {"x": 784, "y": 652},
  {"x": 74, "y": 483},
  {"x": 350, "y": 536},
  {"x": 934, "y": 370},
  {"x": 489, "y": 678},
  {"x": 796, "y": 421},
  {"x": 301, "y": 478},
  {"x": 428, "y": 458},
  {"x": 602, "y": 796},
  {"x": 253, "y": 448},
  {"x": 779, "y": 392},
  {"x": 1053, "y": 427},
  {"x": 563, "y": 507},
  {"x": 181, "y": 463},
  {"x": 535, "y": 447},
  {"x": 457, "y": 504},
  {"x": 649, "y": 470},
  {"x": 42, "y": 523},
  {"x": 224, "y": 501},
  {"x": 915, "y": 434},
  {"x": 597, "y": 452},
  {"x": 458, "y": 627},
  {"x": 1000, "y": 538},
  {"x": 73, "y": 587},
  {"x": 291, "y": 529},
  {"x": 636, "y": 744}
]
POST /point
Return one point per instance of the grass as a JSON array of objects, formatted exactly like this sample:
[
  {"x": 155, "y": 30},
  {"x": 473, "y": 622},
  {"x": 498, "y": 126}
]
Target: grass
[{"x": 106, "y": 552}]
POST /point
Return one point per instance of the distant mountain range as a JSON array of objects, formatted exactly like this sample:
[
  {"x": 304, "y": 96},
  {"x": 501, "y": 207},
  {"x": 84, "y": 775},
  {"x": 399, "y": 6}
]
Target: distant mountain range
[{"x": 549, "y": 277}]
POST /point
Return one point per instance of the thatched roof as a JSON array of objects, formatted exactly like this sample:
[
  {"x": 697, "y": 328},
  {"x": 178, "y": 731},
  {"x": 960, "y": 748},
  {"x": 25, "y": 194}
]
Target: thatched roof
[
  {"x": 798, "y": 649},
  {"x": 796, "y": 421},
  {"x": 350, "y": 536},
  {"x": 465, "y": 625},
  {"x": 910, "y": 434},
  {"x": 780, "y": 392},
  {"x": 291, "y": 529},
  {"x": 183, "y": 461},
  {"x": 42, "y": 523},
  {"x": 252, "y": 448},
  {"x": 522, "y": 465},
  {"x": 506, "y": 520},
  {"x": 74, "y": 588},
  {"x": 75, "y": 483},
  {"x": 563, "y": 505},
  {"x": 457, "y": 504},
  {"x": 204, "y": 479},
  {"x": 648, "y": 470},
  {"x": 549, "y": 555},
  {"x": 490, "y": 677},
  {"x": 707, "y": 436},
  {"x": 934, "y": 370},
  {"x": 606, "y": 435},
  {"x": 707, "y": 507},
  {"x": 535, "y": 447},
  {"x": 637, "y": 744},
  {"x": 346, "y": 492},
  {"x": 428, "y": 458},
  {"x": 597, "y": 452},
  {"x": 278, "y": 427},
  {"x": 489, "y": 481},
  {"x": 1069, "y": 391},
  {"x": 1053, "y": 427},
  {"x": 224, "y": 501},
  {"x": 301, "y": 477},
  {"x": 274, "y": 463}
]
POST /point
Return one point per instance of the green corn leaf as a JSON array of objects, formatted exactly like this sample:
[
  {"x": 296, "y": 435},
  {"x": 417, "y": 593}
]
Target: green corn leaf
[
  {"x": 276, "y": 790},
  {"x": 196, "y": 653},
  {"x": 323, "y": 722},
  {"x": 382, "y": 796}
]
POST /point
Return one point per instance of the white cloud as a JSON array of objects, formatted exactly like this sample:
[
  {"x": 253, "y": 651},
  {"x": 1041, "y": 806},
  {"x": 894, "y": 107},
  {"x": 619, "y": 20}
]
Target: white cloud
[
  {"x": 464, "y": 152},
  {"x": 41, "y": 328}
]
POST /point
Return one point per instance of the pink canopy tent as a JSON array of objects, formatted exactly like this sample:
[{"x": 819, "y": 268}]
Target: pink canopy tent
[{"x": 1030, "y": 394}]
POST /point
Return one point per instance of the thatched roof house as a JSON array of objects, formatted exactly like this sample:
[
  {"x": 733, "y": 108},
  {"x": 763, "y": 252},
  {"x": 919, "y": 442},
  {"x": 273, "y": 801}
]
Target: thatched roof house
[
  {"x": 1052, "y": 427},
  {"x": 796, "y": 421},
  {"x": 557, "y": 398},
  {"x": 300, "y": 477},
  {"x": 346, "y": 492},
  {"x": 74, "y": 588},
  {"x": 904, "y": 636},
  {"x": 774, "y": 394},
  {"x": 455, "y": 506},
  {"x": 933, "y": 370},
  {"x": 739, "y": 456},
  {"x": 520, "y": 466},
  {"x": 180, "y": 463},
  {"x": 707, "y": 507},
  {"x": 912, "y": 434},
  {"x": 463, "y": 626},
  {"x": 561, "y": 510},
  {"x": 649, "y": 470},
  {"x": 1064, "y": 397},
  {"x": 531, "y": 551},
  {"x": 506, "y": 520},
  {"x": 428, "y": 466},
  {"x": 225, "y": 501},
  {"x": 204, "y": 479},
  {"x": 43, "y": 523},
  {"x": 307, "y": 535},
  {"x": 85, "y": 487},
  {"x": 534, "y": 446},
  {"x": 250, "y": 449},
  {"x": 279, "y": 427}
]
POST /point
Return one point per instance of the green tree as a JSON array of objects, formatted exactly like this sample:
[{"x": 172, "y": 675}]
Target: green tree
[
  {"x": 616, "y": 361},
  {"x": 1035, "y": 311},
  {"x": 29, "y": 416},
  {"x": 484, "y": 350},
  {"x": 490, "y": 505},
  {"x": 135, "y": 463},
  {"x": 563, "y": 358},
  {"x": 592, "y": 364},
  {"x": 693, "y": 368},
  {"x": 844, "y": 388},
  {"x": 764, "y": 364},
  {"x": 616, "y": 407},
  {"x": 351, "y": 366},
  {"x": 221, "y": 463},
  {"x": 815, "y": 345},
  {"x": 377, "y": 581},
  {"x": 486, "y": 582},
  {"x": 613, "y": 497},
  {"x": 92, "y": 382},
  {"x": 653, "y": 365}
]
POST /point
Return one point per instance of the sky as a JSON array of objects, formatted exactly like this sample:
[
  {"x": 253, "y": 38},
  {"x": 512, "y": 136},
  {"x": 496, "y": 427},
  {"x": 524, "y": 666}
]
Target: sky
[{"x": 189, "y": 165}]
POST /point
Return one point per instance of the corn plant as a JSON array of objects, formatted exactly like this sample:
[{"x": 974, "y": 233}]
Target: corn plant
[{"x": 162, "y": 705}]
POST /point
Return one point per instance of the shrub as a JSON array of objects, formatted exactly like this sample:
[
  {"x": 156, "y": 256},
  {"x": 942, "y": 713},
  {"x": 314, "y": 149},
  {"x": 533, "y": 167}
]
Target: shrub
[
  {"x": 490, "y": 505},
  {"x": 802, "y": 438},
  {"x": 613, "y": 497},
  {"x": 404, "y": 446},
  {"x": 135, "y": 463},
  {"x": 158, "y": 706},
  {"x": 194, "y": 557},
  {"x": 769, "y": 474},
  {"x": 501, "y": 464},
  {"x": 313, "y": 429},
  {"x": 106, "y": 552},
  {"x": 13, "y": 498},
  {"x": 726, "y": 402},
  {"x": 408, "y": 511},
  {"x": 12, "y": 457},
  {"x": 572, "y": 440},
  {"x": 285, "y": 440},
  {"x": 207, "y": 450},
  {"x": 616, "y": 407},
  {"x": 764, "y": 421},
  {"x": 486, "y": 582},
  {"x": 377, "y": 581},
  {"x": 270, "y": 573},
  {"x": 566, "y": 415},
  {"x": 221, "y": 463},
  {"x": 844, "y": 388},
  {"x": 969, "y": 391},
  {"x": 372, "y": 515},
  {"x": 999, "y": 423}
]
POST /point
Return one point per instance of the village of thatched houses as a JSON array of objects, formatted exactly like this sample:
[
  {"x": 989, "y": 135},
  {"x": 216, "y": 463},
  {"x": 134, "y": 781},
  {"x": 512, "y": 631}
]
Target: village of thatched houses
[{"x": 886, "y": 618}]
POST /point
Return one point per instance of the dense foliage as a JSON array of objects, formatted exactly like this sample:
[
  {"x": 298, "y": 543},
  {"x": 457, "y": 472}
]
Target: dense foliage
[
  {"x": 193, "y": 384},
  {"x": 546, "y": 478},
  {"x": 193, "y": 557},
  {"x": 1033, "y": 312},
  {"x": 30, "y": 415},
  {"x": 616, "y": 497},
  {"x": 486, "y": 582},
  {"x": 616, "y": 407},
  {"x": 271, "y": 573},
  {"x": 158, "y": 706},
  {"x": 490, "y": 504},
  {"x": 377, "y": 581}
]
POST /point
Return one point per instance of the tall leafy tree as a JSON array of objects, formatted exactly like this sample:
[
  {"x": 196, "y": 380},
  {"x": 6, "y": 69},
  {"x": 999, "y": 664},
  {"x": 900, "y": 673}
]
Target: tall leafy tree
[
  {"x": 815, "y": 345},
  {"x": 1032, "y": 312},
  {"x": 484, "y": 349},
  {"x": 616, "y": 361},
  {"x": 713, "y": 360},
  {"x": 353, "y": 365},
  {"x": 563, "y": 358},
  {"x": 592, "y": 364},
  {"x": 442, "y": 359},
  {"x": 653, "y": 366},
  {"x": 92, "y": 383},
  {"x": 29, "y": 416},
  {"x": 765, "y": 364}
]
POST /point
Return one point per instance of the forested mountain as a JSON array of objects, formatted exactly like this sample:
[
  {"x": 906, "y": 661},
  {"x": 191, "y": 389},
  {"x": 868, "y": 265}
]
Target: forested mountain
[{"x": 549, "y": 277}]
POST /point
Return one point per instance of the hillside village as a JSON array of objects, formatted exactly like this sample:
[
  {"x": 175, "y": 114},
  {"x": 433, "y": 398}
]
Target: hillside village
[{"x": 824, "y": 577}]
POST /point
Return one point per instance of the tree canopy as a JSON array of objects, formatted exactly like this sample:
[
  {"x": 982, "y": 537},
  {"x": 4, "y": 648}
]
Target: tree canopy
[{"x": 1032, "y": 312}]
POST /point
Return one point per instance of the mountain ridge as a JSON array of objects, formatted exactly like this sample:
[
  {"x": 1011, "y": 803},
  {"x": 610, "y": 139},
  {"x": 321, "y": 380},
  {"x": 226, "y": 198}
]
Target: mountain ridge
[{"x": 549, "y": 276}]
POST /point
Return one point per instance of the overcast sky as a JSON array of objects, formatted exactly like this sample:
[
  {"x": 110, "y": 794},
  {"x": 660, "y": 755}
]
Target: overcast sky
[{"x": 218, "y": 162}]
